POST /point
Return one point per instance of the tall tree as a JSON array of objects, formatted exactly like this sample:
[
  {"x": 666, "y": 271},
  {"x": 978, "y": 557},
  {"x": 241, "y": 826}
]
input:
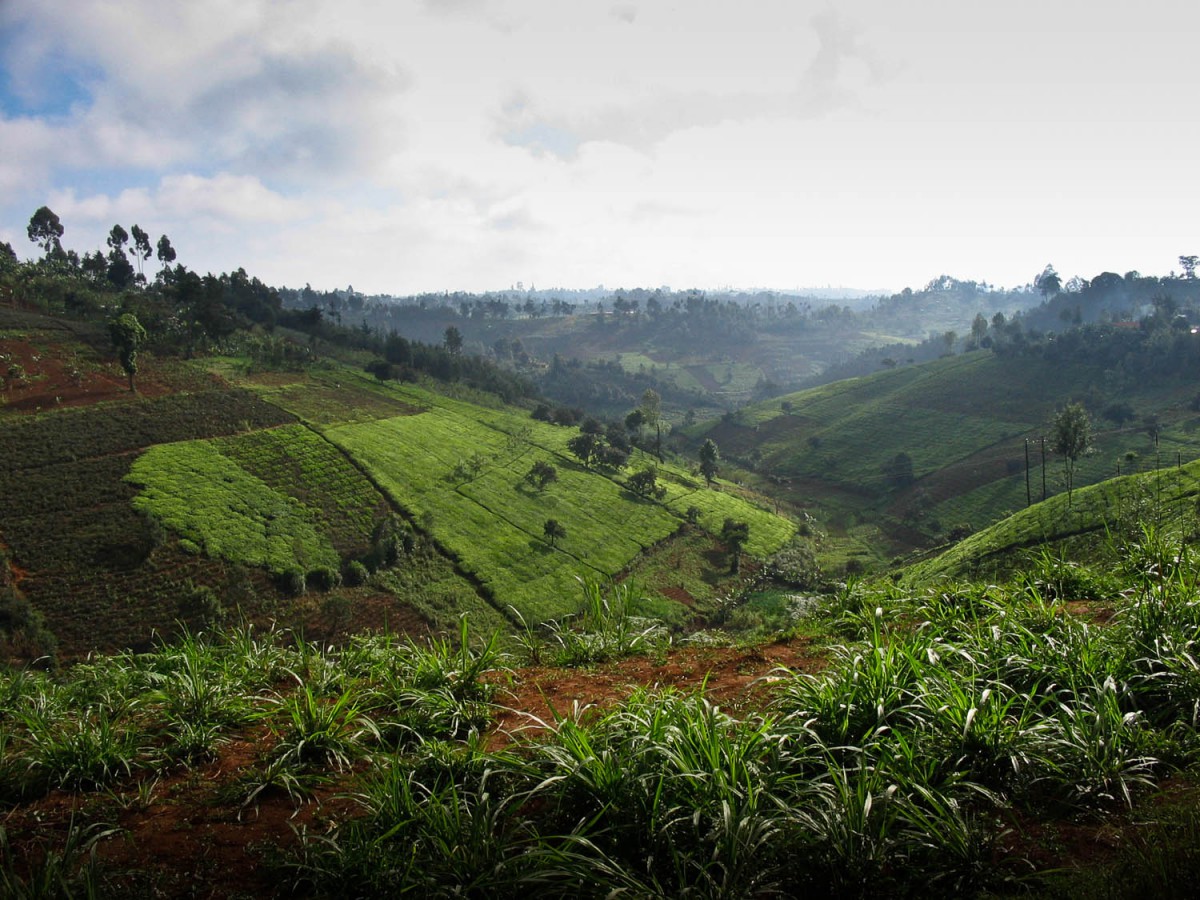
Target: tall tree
[
  {"x": 1071, "y": 436},
  {"x": 453, "y": 340},
  {"x": 1048, "y": 283},
  {"x": 710, "y": 460},
  {"x": 141, "y": 249},
  {"x": 127, "y": 336},
  {"x": 166, "y": 253},
  {"x": 553, "y": 530},
  {"x": 735, "y": 534},
  {"x": 652, "y": 416},
  {"x": 46, "y": 231}
]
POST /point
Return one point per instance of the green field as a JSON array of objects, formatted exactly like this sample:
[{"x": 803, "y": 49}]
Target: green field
[
  {"x": 211, "y": 501},
  {"x": 492, "y": 521},
  {"x": 1107, "y": 512},
  {"x": 962, "y": 421}
]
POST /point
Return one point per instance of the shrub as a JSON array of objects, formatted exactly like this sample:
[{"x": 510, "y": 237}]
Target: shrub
[
  {"x": 355, "y": 573},
  {"x": 324, "y": 578},
  {"x": 292, "y": 581}
]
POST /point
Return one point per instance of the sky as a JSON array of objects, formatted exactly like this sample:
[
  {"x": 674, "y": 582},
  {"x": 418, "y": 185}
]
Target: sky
[{"x": 403, "y": 146}]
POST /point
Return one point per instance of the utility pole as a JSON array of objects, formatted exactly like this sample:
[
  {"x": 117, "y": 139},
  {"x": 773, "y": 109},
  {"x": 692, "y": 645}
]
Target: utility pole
[
  {"x": 1028, "y": 496},
  {"x": 1043, "y": 442}
]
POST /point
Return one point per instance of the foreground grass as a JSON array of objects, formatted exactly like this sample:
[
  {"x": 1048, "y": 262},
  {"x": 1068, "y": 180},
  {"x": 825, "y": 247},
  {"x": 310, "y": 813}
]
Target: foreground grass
[{"x": 949, "y": 722}]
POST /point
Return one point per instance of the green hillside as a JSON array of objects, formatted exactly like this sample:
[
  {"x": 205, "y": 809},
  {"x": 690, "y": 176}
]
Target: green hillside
[
  {"x": 1093, "y": 525},
  {"x": 320, "y": 498},
  {"x": 457, "y": 470},
  {"x": 959, "y": 425}
]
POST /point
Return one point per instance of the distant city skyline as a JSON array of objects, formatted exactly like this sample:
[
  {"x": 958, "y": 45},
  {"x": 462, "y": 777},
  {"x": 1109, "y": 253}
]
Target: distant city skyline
[{"x": 436, "y": 145}]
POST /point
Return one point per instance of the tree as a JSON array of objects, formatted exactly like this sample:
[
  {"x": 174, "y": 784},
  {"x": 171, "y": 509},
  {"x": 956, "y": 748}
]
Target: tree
[
  {"x": 166, "y": 253},
  {"x": 735, "y": 534},
  {"x": 1189, "y": 263},
  {"x": 979, "y": 329},
  {"x": 118, "y": 238},
  {"x": 1071, "y": 436},
  {"x": 1048, "y": 283},
  {"x": 553, "y": 530},
  {"x": 710, "y": 458},
  {"x": 127, "y": 336},
  {"x": 652, "y": 416},
  {"x": 141, "y": 249},
  {"x": 541, "y": 474},
  {"x": 645, "y": 483},
  {"x": 453, "y": 340},
  {"x": 585, "y": 446},
  {"x": 46, "y": 231}
]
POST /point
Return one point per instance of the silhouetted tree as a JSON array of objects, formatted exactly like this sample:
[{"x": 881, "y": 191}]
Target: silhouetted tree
[
  {"x": 46, "y": 231},
  {"x": 553, "y": 530},
  {"x": 710, "y": 458}
]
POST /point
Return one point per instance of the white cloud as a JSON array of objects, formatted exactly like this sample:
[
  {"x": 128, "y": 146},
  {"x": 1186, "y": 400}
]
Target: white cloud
[{"x": 474, "y": 143}]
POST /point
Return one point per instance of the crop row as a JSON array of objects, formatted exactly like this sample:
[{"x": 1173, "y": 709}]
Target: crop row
[
  {"x": 337, "y": 403},
  {"x": 210, "y": 500},
  {"x": 295, "y": 461},
  {"x": 71, "y": 434}
]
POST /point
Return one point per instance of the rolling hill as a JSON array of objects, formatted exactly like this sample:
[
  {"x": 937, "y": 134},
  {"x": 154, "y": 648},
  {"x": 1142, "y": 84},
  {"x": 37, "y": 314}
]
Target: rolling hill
[
  {"x": 320, "y": 498},
  {"x": 898, "y": 459}
]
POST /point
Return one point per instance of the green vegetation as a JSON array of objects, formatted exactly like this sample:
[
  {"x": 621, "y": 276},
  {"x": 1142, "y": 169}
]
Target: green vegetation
[
  {"x": 1085, "y": 525},
  {"x": 210, "y": 500},
  {"x": 951, "y": 732}
]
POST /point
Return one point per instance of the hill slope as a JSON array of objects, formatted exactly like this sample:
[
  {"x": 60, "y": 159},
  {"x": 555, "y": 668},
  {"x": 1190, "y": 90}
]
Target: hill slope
[
  {"x": 918, "y": 450},
  {"x": 214, "y": 494}
]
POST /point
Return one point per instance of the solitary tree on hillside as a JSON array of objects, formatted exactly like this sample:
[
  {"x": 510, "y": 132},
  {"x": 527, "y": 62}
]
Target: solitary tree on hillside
[
  {"x": 46, "y": 231},
  {"x": 1071, "y": 437},
  {"x": 553, "y": 530},
  {"x": 585, "y": 446},
  {"x": 454, "y": 339},
  {"x": 735, "y": 534},
  {"x": 541, "y": 474},
  {"x": 710, "y": 459},
  {"x": 645, "y": 483},
  {"x": 652, "y": 415},
  {"x": 127, "y": 336}
]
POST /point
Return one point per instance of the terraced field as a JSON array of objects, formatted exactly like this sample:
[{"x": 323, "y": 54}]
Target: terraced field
[{"x": 492, "y": 521}]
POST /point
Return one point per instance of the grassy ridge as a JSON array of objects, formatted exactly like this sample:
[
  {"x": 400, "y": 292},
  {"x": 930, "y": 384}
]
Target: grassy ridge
[
  {"x": 493, "y": 521},
  {"x": 1113, "y": 506}
]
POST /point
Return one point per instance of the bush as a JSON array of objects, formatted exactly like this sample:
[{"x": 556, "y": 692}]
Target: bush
[
  {"x": 355, "y": 573},
  {"x": 324, "y": 578},
  {"x": 293, "y": 582}
]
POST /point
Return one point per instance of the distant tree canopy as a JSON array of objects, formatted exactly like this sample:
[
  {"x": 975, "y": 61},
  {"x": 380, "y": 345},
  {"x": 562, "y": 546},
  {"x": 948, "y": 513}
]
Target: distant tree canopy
[{"x": 46, "y": 231}]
